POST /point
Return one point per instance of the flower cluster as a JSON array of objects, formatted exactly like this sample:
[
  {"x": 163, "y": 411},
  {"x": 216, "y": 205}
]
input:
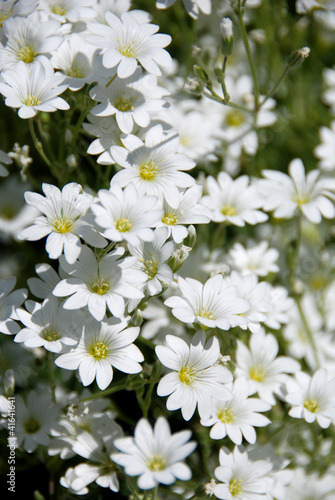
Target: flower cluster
[{"x": 180, "y": 341}]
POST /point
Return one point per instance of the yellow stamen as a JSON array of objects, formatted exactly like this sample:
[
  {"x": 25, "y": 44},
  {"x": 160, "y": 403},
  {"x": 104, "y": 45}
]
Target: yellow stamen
[
  {"x": 148, "y": 171},
  {"x": 98, "y": 350},
  {"x": 31, "y": 100},
  {"x": 226, "y": 416},
  {"x": 123, "y": 225}
]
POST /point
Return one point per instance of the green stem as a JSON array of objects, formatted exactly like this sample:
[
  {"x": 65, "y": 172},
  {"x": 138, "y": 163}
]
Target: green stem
[
  {"x": 38, "y": 144},
  {"x": 78, "y": 127},
  {"x": 116, "y": 388},
  {"x": 223, "y": 82},
  {"x": 52, "y": 378},
  {"x": 105, "y": 250},
  {"x": 239, "y": 13},
  {"x": 111, "y": 80},
  {"x": 308, "y": 331},
  {"x": 215, "y": 97},
  {"x": 274, "y": 88}
]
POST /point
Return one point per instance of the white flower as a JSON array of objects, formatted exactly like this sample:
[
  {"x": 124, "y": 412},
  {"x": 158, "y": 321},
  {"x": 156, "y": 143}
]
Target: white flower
[
  {"x": 124, "y": 215},
  {"x": 188, "y": 211},
  {"x": 34, "y": 420},
  {"x": 198, "y": 127},
  {"x": 103, "y": 346},
  {"x": 258, "y": 259},
  {"x": 155, "y": 454},
  {"x": 210, "y": 304},
  {"x": 286, "y": 194},
  {"x": 65, "y": 221},
  {"x": 33, "y": 90},
  {"x": 124, "y": 42},
  {"x": 68, "y": 480},
  {"x": 43, "y": 286},
  {"x": 307, "y": 486},
  {"x": 328, "y": 95},
  {"x": 154, "y": 165},
  {"x": 47, "y": 325},
  {"x": 197, "y": 378},
  {"x": 305, "y": 6},
  {"x": 233, "y": 201},
  {"x": 9, "y": 301},
  {"x": 132, "y": 100},
  {"x": 260, "y": 365},
  {"x": 281, "y": 306},
  {"x": 255, "y": 293},
  {"x": 108, "y": 137},
  {"x": 28, "y": 40},
  {"x": 100, "y": 284},
  {"x": 79, "y": 61},
  {"x": 13, "y": 8},
  {"x": 67, "y": 10},
  {"x": 237, "y": 417},
  {"x": 4, "y": 158},
  {"x": 193, "y": 7},
  {"x": 312, "y": 398},
  {"x": 100, "y": 467},
  {"x": 152, "y": 258},
  {"x": 325, "y": 151},
  {"x": 242, "y": 478}
]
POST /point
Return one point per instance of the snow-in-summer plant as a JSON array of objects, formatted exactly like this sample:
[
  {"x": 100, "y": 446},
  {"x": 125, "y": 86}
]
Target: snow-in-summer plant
[{"x": 167, "y": 265}]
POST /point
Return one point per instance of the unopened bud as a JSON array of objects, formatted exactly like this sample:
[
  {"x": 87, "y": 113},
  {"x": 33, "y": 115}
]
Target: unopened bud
[
  {"x": 227, "y": 35},
  {"x": 297, "y": 57},
  {"x": 9, "y": 382},
  {"x": 191, "y": 239},
  {"x": 201, "y": 74},
  {"x": 178, "y": 257},
  {"x": 137, "y": 318},
  {"x": 193, "y": 86}
]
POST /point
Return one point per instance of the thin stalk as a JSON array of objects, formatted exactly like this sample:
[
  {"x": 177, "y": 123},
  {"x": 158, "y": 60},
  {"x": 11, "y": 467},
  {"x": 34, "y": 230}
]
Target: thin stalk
[
  {"x": 215, "y": 97},
  {"x": 52, "y": 378},
  {"x": 116, "y": 388},
  {"x": 223, "y": 81},
  {"x": 308, "y": 331},
  {"x": 110, "y": 81},
  {"x": 274, "y": 88},
  {"x": 78, "y": 127},
  {"x": 38, "y": 144},
  {"x": 249, "y": 55}
]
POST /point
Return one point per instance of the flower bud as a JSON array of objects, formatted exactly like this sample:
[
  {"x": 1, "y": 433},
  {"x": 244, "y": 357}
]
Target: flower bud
[
  {"x": 201, "y": 74},
  {"x": 226, "y": 28},
  {"x": 297, "y": 57},
  {"x": 193, "y": 86}
]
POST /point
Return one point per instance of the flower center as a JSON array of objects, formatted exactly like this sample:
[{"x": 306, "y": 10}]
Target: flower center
[
  {"x": 235, "y": 487},
  {"x": 100, "y": 287},
  {"x": 204, "y": 313},
  {"x": 312, "y": 405},
  {"x": 187, "y": 375},
  {"x": 234, "y": 118},
  {"x": 62, "y": 225},
  {"x": 302, "y": 199},
  {"x": 31, "y": 100},
  {"x": 157, "y": 463},
  {"x": 98, "y": 350},
  {"x": 26, "y": 54},
  {"x": 59, "y": 9},
  {"x": 226, "y": 416},
  {"x": 257, "y": 373},
  {"x": 123, "y": 225},
  {"x": 31, "y": 425},
  {"x": 170, "y": 219},
  {"x": 150, "y": 267},
  {"x": 228, "y": 210},
  {"x": 129, "y": 49},
  {"x": 148, "y": 171},
  {"x": 123, "y": 104},
  {"x": 50, "y": 335},
  {"x": 76, "y": 71}
]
